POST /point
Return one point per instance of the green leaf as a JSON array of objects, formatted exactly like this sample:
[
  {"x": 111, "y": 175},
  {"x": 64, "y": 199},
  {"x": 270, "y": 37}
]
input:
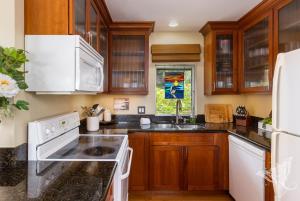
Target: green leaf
[
  {"x": 22, "y": 105},
  {"x": 4, "y": 102},
  {"x": 22, "y": 85}
]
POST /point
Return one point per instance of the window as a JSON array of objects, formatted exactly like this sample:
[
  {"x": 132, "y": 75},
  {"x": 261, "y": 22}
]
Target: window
[{"x": 174, "y": 82}]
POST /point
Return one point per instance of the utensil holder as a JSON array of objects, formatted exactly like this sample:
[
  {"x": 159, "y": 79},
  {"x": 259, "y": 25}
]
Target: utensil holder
[{"x": 92, "y": 123}]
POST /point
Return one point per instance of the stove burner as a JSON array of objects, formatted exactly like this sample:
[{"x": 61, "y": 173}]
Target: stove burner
[{"x": 99, "y": 151}]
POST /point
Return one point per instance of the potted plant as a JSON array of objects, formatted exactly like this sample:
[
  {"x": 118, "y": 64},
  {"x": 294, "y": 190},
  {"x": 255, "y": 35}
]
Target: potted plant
[
  {"x": 266, "y": 123},
  {"x": 12, "y": 80}
]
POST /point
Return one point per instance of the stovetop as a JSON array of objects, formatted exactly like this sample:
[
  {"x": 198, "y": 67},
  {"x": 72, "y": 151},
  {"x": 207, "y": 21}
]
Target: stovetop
[{"x": 90, "y": 147}]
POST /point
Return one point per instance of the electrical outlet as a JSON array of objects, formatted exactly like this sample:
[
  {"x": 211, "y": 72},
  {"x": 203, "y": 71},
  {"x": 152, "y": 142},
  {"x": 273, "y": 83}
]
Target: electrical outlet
[{"x": 141, "y": 109}]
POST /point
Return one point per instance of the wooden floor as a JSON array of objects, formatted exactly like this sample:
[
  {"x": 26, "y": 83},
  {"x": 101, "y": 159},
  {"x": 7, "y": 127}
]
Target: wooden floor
[{"x": 165, "y": 196}]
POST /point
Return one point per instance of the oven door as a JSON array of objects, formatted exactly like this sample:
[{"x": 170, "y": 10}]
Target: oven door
[
  {"x": 126, "y": 166},
  {"x": 89, "y": 71}
]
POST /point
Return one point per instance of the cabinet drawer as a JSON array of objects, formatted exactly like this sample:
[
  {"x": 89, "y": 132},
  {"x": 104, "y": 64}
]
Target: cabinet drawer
[{"x": 182, "y": 138}]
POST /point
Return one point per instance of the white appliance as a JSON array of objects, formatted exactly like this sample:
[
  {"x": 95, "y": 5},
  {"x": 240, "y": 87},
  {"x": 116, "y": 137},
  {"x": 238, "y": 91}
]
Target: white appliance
[
  {"x": 245, "y": 162},
  {"x": 286, "y": 127},
  {"x": 62, "y": 64},
  {"x": 58, "y": 139}
]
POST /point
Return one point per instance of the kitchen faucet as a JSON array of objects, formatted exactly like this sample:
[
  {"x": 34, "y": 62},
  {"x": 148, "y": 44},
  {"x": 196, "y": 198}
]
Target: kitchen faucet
[{"x": 178, "y": 109}]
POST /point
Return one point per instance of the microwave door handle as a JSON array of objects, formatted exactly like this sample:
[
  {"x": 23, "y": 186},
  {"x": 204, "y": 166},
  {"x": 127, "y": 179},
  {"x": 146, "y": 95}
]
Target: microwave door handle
[
  {"x": 100, "y": 80},
  {"x": 126, "y": 175}
]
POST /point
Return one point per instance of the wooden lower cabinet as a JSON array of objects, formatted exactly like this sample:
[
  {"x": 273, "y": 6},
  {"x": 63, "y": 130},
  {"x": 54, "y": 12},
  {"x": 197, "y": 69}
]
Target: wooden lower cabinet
[
  {"x": 166, "y": 167},
  {"x": 188, "y": 161},
  {"x": 269, "y": 191},
  {"x": 202, "y": 167},
  {"x": 138, "y": 179},
  {"x": 110, "y": 194}
]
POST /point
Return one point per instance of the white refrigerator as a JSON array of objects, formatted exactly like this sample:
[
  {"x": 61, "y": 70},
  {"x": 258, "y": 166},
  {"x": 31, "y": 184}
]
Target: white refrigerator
[{"x": 286, "y": 127}]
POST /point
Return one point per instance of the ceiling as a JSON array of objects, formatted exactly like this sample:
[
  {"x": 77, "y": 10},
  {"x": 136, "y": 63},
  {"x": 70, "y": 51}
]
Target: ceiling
[{"x": 191, "y": 15}]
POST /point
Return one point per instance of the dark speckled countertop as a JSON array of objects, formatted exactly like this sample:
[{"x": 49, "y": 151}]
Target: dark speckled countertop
[
  {"x": 60, "y": 181},
  {"x": 252, "y": 135}
]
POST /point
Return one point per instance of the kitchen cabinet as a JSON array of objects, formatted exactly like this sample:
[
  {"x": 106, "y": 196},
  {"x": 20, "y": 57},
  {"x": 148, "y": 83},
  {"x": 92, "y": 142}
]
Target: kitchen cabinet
[
  {"x": 103, "y": 50},
  {"x": 202, "y": 167},
  {"x": 286, "y": 26},
  {"x": 220, "y": 58},
  {"x": 256, "y": 42},
  {"x": 63, "y": 17},
  {"x": 110, "y": 194},
  {"x": 166, "y": 168},
  {"x": 128, "y": 62},
  {"x": 138, "y": 179},
  {"x": 93, "y": 25},
  {"x": 188, "y": 161},
  {"x": 269, "y": 190}
]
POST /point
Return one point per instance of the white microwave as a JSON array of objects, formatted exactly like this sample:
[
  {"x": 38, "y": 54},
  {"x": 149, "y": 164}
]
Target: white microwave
[{"x": 62, "y": 64}]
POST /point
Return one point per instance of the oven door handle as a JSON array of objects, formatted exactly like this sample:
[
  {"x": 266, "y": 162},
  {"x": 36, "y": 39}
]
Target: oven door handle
[{"x": 126, "y": 175}]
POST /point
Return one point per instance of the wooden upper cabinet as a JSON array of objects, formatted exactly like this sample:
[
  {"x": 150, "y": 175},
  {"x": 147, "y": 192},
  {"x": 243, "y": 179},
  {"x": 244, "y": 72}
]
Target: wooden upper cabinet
[
  {"x": 94, "y": 23},
  {"x": 220, "y": 58},
  {"x": 103, "y": 50},
  {"x": 256, "y": 58},
  {"x": 63, "y": 17},
  {"x": 80, "y": 18},
  {"x": 286, "y": 26},
  {"x": 128, "y": 61}
]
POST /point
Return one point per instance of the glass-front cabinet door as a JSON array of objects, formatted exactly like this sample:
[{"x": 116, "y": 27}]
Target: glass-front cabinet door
[
  {"x": 128, "y": 63},
  {"x": 80, "y": 17},
  {"x": 103, "y": 50},
  {"x": 257, "y": 60},
  {"x": 287, "y": 26},
  {"x": 224, "y": 73},
  {"x": 93, "y": 26}
]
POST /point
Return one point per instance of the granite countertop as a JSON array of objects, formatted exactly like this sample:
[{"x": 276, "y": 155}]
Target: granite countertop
[
  {"x": 252, "y": 135},
  {"x": 63, "y": 181}
]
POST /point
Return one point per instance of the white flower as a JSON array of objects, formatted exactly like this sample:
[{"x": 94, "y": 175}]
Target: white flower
[{"x": 8, "y": 86}]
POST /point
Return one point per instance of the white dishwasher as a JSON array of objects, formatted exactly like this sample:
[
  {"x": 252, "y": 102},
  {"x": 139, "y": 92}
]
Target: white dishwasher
[{"x": 245, "y": 162}]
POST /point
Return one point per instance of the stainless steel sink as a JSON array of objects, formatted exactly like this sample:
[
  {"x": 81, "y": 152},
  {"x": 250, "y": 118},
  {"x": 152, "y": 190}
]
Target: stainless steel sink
[
  {"x": 165, "y": 126},
  {"x": 178, "y": 127},
  {"x": 190, "y": 126}
]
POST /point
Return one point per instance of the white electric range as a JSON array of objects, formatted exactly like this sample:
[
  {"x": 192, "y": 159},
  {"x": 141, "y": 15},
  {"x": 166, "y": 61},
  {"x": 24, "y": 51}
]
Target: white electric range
[{"x": 58, "y": 139}]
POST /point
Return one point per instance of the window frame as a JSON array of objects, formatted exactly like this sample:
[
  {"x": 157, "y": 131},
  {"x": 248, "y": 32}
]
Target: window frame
[{"x": 177, "y": 67}]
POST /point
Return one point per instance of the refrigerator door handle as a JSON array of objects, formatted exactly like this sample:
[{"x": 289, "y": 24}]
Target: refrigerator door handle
[
  {"x": 276, "y": 91},
  {"x": 274, "y": 147}
]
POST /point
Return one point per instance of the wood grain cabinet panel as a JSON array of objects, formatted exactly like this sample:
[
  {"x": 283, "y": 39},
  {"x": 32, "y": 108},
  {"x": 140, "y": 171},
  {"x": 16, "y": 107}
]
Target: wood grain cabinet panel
[
  {"x": 193, "y": 162},
  {"x": 269, "y": 190},
  {"x": 63, "y": 17},
  {"x": 166, "y": 168},
  {"x": 110, "y": 194},
  {"x": 202, "y": 167},
  {"x": 256, "y": 48},
  {"x": 128, "y": 62},
  {"x": 138, "y": 179},
  {"x": 220, "y": 58}
]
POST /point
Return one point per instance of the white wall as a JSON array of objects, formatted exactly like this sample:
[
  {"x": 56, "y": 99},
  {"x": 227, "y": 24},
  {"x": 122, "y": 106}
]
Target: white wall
[
  {"x": 13, "y": 131},
  {"x": 149, "y": 100}
]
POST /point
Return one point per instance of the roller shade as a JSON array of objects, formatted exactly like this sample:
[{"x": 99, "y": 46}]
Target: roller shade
[{"x": 176, "y": 53}]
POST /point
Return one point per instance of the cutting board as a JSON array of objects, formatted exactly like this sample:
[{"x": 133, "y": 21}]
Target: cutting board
[{"x": 218, "y": 113}]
